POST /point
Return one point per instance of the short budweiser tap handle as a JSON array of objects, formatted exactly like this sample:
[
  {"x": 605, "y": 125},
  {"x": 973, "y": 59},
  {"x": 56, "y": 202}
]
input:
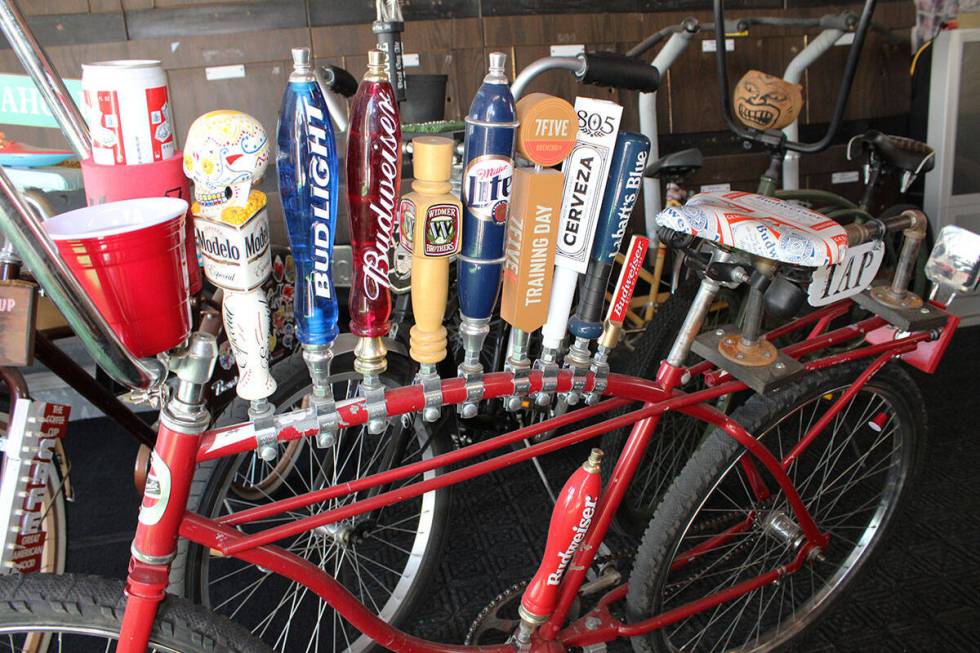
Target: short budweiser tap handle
[
  {"x": 622, "y": 192},
  {"x": 570, "y": 521},
  {"x": 373, "y": 181},
  {"x": 623, "y": 294}
]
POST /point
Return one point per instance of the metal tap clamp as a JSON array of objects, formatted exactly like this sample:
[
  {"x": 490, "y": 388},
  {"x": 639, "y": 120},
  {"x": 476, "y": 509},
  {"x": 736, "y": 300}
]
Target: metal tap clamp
[
  {"x": 577, "y": 360},
  {"x": 432, "y": 390},
  {"x": 473, "y": 332},
  {"x": 261, "y": 412},
  {"x": 600, "y": 372},
  {"x": 521, "y": 369},
  {"x": 548, "y": 366},
  {"x": 374, "y": 401},
  {"x": 318, "y": 358}
]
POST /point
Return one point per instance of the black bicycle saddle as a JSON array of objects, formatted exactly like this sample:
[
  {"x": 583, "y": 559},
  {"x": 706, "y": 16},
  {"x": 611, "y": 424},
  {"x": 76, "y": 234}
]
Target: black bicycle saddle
[
  {"x": 675, "y": 164},
  {"x": 898, "y": 152}
]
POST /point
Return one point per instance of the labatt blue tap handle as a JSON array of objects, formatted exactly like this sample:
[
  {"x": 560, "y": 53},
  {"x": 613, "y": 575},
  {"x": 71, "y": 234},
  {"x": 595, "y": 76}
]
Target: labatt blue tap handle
[
  {"x": 307, "y": 164},
  {"x": 622, "y": 191},
  {"x": 487, "y": 176}
]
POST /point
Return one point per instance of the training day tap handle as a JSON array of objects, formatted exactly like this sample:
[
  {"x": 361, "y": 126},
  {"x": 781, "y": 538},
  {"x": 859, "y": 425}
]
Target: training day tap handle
[
  {"x": 429, "y": 220},
  {"x": 487, "y": 177},
  {"x": 622, "y": 192}
]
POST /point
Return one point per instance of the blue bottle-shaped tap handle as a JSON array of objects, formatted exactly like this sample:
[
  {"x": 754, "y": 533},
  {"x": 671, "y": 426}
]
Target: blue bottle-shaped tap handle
[
  {"x": 307, "y": 164},
  {"x": 488, "y": 173},
  {"x": 622, "y": 191}
]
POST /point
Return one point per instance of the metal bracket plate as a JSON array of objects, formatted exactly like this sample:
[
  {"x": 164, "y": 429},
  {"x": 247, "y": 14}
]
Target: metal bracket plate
[
  {"x": 906, "y": 319},
  {"x": 762, "y": 379}
]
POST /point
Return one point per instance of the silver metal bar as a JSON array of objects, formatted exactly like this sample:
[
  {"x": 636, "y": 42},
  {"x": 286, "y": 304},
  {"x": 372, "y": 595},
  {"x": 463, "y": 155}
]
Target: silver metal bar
[
  {"x": 692, "y": 323},
  {"x": 543, "y": 65},
  {"x": 29, "y": 238},
  {"x": 47, "y": 80}
]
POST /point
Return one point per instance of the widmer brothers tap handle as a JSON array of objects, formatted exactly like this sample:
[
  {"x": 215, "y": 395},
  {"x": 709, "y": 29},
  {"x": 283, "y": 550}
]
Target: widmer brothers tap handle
[{"x": 622, "y": 192}]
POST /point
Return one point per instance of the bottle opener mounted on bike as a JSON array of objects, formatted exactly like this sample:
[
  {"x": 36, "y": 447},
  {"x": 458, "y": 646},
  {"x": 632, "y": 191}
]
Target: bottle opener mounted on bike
[
  {"x": 307, "y": 165},
  {"x": 545, "y": 137},
  {"x": 430, "y": 220},
  {"x": 622, "y": 191},
  {"x": 586, "y": 173},
  {"x": 227, "y": 153},
  {"x": 487, "y": 177},
  {"x": 374, "y": 175}
]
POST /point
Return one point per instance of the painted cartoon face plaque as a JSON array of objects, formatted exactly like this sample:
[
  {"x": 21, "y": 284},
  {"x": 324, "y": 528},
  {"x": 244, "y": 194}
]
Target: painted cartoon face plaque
[{"x": 766, "y": 102}]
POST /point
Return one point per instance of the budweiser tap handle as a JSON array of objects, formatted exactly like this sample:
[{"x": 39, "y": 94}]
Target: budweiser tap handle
[
  {"x": 487, "y": 178},
  {"x": 622, "y": 192},
  {"x": 429, "y": 218},
  {"x": 388, "y": 26},
  {"x": 623, "y": 293}
]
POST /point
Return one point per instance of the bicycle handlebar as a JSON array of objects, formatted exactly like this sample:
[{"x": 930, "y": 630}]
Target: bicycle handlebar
[
  {"x": 769, "y": 136},
  {"x": 601, "y": 68}
]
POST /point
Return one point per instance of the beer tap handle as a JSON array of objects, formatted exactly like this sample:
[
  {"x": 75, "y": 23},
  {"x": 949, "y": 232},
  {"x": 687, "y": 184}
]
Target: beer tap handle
[
  {"x": 430, "y": 222},
  {"x": 585, "y": 183},
  {"x": 246, "y": 319},
  {"x": 487, "y": 179},
  {"x": 622, "y": 192}
]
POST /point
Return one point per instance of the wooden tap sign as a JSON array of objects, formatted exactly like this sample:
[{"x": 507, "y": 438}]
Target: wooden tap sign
[{"x": 546, "y": 135}]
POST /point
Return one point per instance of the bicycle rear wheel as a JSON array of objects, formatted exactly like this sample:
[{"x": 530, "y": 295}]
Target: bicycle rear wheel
[
  {"x": 852, "y": 478},
  {"x": 83, "y": 614}
]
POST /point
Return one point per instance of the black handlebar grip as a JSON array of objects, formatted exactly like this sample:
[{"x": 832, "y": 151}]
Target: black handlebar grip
[
  {"x": 339, "y": 80},
  {"x": 620, "y": 71}
]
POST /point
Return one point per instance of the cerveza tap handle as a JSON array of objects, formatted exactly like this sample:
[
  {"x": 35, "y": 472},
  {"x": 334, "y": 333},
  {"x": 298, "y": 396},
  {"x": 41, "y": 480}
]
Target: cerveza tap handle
[
  {"x": 246, "y": 318},
  {"x": 308, "y": 175},
  {"x": 487, "y": 179},
  {"x": 622, "y": 191}
]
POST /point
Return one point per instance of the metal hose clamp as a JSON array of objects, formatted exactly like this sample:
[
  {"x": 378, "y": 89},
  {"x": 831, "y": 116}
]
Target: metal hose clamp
[
  {"x": 522, "y": 383},
  {"x": 549, "y": 379},
  {"x": 432, "y": 391},
  {"x": 377, "y": 409},
  {"x": 600, "y": 372}
]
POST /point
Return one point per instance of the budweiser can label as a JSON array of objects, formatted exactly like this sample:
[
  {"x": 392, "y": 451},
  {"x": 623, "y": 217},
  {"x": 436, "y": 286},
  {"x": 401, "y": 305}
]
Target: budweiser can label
[{"x": 127, "y": 108}]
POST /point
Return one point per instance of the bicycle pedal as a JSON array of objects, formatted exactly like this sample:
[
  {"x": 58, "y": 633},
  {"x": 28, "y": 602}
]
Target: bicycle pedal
[
  {"x": 715, "y": 346},
  {"x": 907, "y": 318}
]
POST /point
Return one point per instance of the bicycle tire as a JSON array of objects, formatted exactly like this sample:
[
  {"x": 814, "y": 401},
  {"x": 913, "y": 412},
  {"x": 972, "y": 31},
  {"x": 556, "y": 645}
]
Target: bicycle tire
[
  {"x": 83, "y": 605},
  {"x": 699, "y": 490},
  {"x": 190, "y": 571}
]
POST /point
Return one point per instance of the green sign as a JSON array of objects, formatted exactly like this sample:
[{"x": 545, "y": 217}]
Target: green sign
[{"x": 21, "y": 103}]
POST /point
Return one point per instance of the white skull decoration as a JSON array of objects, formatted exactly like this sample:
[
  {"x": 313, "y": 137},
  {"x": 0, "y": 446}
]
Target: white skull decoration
[{"x": 225, "y": 153}]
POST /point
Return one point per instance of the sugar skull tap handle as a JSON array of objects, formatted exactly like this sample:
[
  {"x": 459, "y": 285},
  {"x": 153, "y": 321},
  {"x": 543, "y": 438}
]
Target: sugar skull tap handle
[
  {"x": 308, "y": 171},
  {"x": 622, "y": 192},
  {"x": 226, "y": 152},
  {"x": 487, "y": 177}
]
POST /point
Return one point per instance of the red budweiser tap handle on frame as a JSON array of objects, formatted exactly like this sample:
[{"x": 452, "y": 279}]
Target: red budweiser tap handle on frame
[
  {"x": 373, "y": 180},
  {"x": 623, "y": 294},
  {"x": 570, "y": 521}
]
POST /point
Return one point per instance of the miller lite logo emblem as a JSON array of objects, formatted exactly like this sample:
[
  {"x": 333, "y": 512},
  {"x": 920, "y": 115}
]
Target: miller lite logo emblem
[
  {"x": 442, "y": 230},
  {"x": 487, "y": 186}
]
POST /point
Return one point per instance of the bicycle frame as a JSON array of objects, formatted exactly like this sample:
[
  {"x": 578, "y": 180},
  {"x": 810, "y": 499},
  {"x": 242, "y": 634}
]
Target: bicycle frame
[{"x": 164, "y": 515}]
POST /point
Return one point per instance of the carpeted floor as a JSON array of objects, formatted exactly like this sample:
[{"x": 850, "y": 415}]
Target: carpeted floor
[{"x": 921, "y": 593}]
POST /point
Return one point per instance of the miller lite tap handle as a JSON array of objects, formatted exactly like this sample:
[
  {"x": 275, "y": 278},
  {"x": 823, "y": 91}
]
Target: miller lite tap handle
[
  {"x": 622, "y": 192},
  {"x": 246, "y": 317},
  {"x": 623, "y": 294},
  {"x": 586, "y": 172},
  {"x": 619, "y": 71},
  {"x": 487, "y": 178}
]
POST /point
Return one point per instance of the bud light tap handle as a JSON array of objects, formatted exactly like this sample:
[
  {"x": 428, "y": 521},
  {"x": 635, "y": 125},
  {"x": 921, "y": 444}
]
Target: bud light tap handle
[
  {"x": 487, "y": 177},
  {"x": 622, "y": 192},
  {"x": 307, "y": 165}
]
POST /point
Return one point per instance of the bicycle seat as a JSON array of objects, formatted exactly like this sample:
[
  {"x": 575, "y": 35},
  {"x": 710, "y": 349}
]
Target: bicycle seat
[
  {"x": 675, "y": 164},
  {"x": 760, "y": 225},
  {"x": 899, "y": 152}
]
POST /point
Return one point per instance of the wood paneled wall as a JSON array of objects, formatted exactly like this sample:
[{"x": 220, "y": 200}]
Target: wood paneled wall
[{"x": 453, "y": 37}]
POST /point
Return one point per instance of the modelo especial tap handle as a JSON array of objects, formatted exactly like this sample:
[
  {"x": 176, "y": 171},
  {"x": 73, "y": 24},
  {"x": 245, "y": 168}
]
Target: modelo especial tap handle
[
  {"x": 373, "y": 183},
  {"x": 226, "y": 152},
  {"x": 487, "y": 177},
  {"x": 622, "y": 192},
  {"x": 430, "y": 218},
  {"x": 307, "y": 164}
]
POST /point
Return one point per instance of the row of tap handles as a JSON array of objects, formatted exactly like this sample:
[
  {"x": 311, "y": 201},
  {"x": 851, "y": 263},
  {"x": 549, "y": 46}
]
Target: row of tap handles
[{"x": 530, "y": 237}]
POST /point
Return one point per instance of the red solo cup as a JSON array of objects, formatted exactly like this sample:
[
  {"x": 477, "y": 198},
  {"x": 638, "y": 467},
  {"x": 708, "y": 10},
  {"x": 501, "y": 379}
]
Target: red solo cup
[{"x": 130, "y": 259}]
